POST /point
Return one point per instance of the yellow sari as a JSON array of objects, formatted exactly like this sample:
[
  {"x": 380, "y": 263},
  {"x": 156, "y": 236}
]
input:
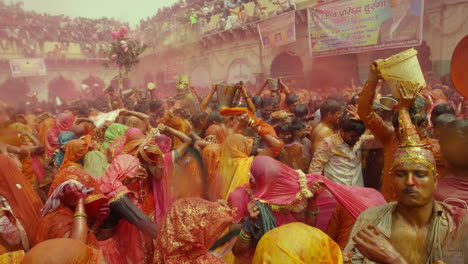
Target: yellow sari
[
  {"x": 297, "y": 243},
  {"x": 235, "y": 162}
]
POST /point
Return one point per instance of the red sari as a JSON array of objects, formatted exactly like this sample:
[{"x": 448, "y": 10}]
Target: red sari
[
  {"x": 189, "y": 229},
  {"x": 127, "y": 241},
  {"x": 59, "y": 222}
]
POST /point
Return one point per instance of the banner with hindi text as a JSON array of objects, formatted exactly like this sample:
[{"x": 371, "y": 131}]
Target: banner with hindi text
[
  {"x": 351, "y": 26},
  {"x": 27, "y": 67},
  {"x": 277, "y": 31}
]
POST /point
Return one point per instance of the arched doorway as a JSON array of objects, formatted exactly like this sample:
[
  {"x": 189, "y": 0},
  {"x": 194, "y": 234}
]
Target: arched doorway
[
  {"x": 240, "y": 70},
  {"x": 14, "y": 91},
  {"x": 290, "y": 68},
  {"x": 63, "y": 88}
]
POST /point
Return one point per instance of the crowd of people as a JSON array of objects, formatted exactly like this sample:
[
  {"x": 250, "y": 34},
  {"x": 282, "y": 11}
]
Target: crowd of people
[
  {"x": 267, "y": 178},
  {"x": 29, "y": 30},
  {"x": 197, "y": 15}
]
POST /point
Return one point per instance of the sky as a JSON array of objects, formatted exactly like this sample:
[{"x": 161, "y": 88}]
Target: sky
[{"x": 125, "y": 10}]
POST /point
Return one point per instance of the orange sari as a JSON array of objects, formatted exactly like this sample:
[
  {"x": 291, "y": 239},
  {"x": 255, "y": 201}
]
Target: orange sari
[
  {"x": 76, "y": 149},
  {"x": 63, "y": 250},
  {"x": 43, "y": 130},
  {"x": 13, "y": 137},
  {"x": 20, "y": 195},
  {"x": 178, "y": 123},
  {"x": 211, "y": 155}
]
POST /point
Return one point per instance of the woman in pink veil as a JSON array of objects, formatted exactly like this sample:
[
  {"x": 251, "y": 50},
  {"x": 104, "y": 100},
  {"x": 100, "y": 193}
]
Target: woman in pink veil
[{"x": 277, "y": 195}]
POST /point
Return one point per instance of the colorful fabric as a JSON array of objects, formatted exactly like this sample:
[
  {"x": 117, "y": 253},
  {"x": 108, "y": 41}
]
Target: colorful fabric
[
  {"x": 114, "y": 131},
  {"x": 164, "y": 142},
  {"x": 414, "y": 154},
  {"x": 235, "y": 162},
  {"x": 21, "y": 127},
  {"x": 95, "y": 163},
  {"x": 260, "y": 126},
  {"x": 178, "y": 123},
  {"x": 189, "y": 229},
  {"x": 44, "y": 128},
  {"x": 162, "y": 188},
  {"x": 121, "y": 178},
  {"x": 20, "y": 195},
  {"x": 111, "y": 182},
  {"x": 63, "y": 139},
  {"x": 218, "y": 131},
  {"x": 94, "y": 200},
  {"x": 55, "y": 199},
  {"x": 276, "y": 184},
  {"x": 13, "y": 137},
  {"x": 297, "y": 243},
  {"x": 340, "y": 226},
  {"x": 15, "y": 257},
  {"x": 63, "y": 250},
  {"x": 133, "y": 139},
  {"x": 211, "y": 155},
  {"x": 59, "y": 222},
  {"x": 63, "y": 122},
  {"x": 453, "y": 191},
  {"x": 75, "y": 150}
]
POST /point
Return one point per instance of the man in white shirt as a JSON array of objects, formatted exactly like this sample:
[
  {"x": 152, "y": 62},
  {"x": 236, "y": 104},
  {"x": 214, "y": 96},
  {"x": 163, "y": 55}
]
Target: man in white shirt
[{"x": 338, "y": 157}]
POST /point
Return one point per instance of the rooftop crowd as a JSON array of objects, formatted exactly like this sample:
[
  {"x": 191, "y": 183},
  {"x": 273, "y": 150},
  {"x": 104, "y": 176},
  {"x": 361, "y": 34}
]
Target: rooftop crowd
[{"x": 29, "y": 30}]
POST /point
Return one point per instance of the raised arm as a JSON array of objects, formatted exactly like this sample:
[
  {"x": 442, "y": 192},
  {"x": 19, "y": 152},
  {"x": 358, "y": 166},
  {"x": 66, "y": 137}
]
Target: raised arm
[
  {"x": 366, "y": 112},
  {"x": 285, "y": 88},
  {"x": 248, "y": 101},
  {"x": 79, "y": 229},
  {"x": 406, "y": 129},
  {"x": 186, "y": 140},
  {"x": 259, "y": 92},
  {"x": 141, "y": 116},
  {"x": 207, "y": 99}
]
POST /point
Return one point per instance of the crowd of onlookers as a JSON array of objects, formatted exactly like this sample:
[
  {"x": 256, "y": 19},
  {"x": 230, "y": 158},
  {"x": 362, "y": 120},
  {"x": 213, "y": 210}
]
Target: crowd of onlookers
[
  {"x": 205, "y": 17},
  {"x": 29, "y": 30}
]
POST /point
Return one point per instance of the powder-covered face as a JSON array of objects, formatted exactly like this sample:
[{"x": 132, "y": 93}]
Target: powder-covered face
[{"x": 414, "y": 183}]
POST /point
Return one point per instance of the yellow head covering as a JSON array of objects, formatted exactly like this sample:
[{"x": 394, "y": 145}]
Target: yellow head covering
[{"x": 297, "y": 243}]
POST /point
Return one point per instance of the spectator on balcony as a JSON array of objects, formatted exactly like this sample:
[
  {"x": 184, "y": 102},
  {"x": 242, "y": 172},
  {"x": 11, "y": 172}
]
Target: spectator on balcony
[
  {"x": 285, "y": 6},
  {"x": 230, "y": 4}
]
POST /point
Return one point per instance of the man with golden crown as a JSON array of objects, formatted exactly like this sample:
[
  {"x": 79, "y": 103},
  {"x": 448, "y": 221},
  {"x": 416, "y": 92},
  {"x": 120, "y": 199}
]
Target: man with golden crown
[{"x": 415, "y": 228}]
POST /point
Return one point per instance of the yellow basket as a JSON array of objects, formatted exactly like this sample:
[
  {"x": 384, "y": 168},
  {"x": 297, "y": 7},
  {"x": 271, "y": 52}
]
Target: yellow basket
[{"x": 403, "y": 66}]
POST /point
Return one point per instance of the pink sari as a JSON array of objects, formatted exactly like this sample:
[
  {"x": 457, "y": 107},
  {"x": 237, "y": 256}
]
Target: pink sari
[
  {"x": 273, "y": 182},
  {"x": 161, "y": 194},
  {"x": 127, "y": 241},
  {"x": 63, "y": 122}
]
